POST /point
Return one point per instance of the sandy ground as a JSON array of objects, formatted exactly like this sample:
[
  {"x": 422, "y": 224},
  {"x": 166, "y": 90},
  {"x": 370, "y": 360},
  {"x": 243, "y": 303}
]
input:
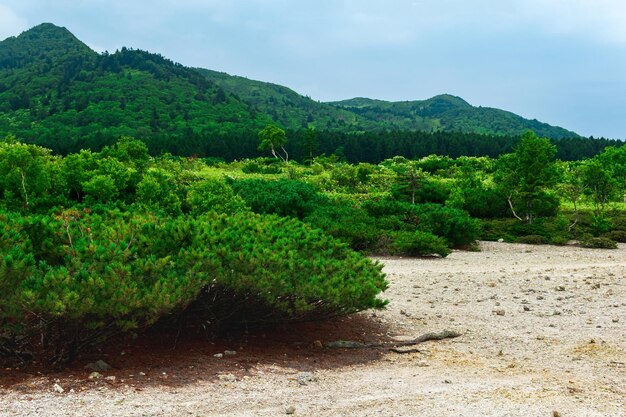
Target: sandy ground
[{"x": 543, "y": 334}]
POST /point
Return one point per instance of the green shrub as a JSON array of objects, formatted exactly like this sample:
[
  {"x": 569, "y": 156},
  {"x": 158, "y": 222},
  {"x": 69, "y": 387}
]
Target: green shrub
[
  {"x": 617, "y": 236},
  {"x": 347, "y": 223},
  {"x": 281, "y": 197},
  {"x": 97, "y": 274},
  {"x": 262, "y": 166},
  {"x": 213, "y": 195},
  {"x": 598, "y": 243},
  {"x": 454, "y": 225},
  {"x": 559, "y": 240},
  {"x": 532, "y": 240},
  {"x": 419, "y": 243}
]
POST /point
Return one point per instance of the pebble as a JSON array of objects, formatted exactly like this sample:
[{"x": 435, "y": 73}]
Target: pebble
[
  {"x": 499, "y": 311},
  {"x": 230, "y": 352},
  {"x": 58, "y": 388},
  {"x": 218, "y": 355},
  {"x": 317, "y": 344},
  {"x": 227, "y": 377},
  {"x": 290, "y": 410},
  {"x": 304, "y": 378},
  {"x": 99, "y": 366},
  {"x": 95, "y": 375}
]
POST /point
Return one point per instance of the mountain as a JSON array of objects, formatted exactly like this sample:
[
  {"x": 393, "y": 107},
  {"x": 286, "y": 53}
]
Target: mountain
[
  {"x": 447, "y": 113},
  {"x": 57, "y": 92},
  {"x": 441, "y": 113},
  {"x": 286, "y": 107}
]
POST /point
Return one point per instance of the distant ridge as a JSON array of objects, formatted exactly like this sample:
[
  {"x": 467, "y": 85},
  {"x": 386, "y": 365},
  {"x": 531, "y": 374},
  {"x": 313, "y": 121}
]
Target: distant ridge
[{"x": 56, "y": 91}]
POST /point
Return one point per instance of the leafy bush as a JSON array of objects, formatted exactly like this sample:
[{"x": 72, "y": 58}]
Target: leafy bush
[
  {"x": 598, "y": 243},
  {"x": 347, "y": 223},
  {"x": 617, "y": 236},
  {"x": 214, "y": 195},
  {"x": 532, "y": 240},
  {"x": 419, "y": 243},
  {"x": 93, "y": 275},
  {"x": 454, "y": 225},
  {"x": 282, "y": 197},
  {"x": 262, "y": 166}
]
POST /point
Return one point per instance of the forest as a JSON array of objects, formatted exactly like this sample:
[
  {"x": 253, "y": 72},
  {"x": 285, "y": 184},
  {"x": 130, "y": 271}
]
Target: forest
[{"x": 100, "y": 243}]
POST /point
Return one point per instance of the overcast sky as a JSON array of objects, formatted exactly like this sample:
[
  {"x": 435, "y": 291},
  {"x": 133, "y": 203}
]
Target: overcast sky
[{"x": 559, "y": 61}]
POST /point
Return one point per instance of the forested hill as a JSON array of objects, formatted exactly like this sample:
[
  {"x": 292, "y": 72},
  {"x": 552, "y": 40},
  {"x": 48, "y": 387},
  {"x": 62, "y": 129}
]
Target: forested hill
[
  {"x": 57, "y": 92},
  {"x": 288, "y": 108},
  {"x": 450, "y": 114},
  {"x": 441, "y": 113}
]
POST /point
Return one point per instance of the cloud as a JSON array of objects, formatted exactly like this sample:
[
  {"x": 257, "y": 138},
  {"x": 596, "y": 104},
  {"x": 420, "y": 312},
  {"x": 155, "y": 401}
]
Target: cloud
[
  {"x": 602, "y": 20},
  {"x": 10, "y": 23}
]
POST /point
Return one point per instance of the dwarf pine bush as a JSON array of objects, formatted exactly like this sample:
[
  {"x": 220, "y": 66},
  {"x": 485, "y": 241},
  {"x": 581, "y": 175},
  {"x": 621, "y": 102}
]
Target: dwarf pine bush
[{"x": 74, "y": 278}]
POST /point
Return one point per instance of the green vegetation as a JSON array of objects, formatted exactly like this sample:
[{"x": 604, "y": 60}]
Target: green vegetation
[
  {"x": 447, "y": 113},
  {"x": 58, "y": 93},
  {"x": 102, "y": 233},
  {"x": 97, "y": 243}
]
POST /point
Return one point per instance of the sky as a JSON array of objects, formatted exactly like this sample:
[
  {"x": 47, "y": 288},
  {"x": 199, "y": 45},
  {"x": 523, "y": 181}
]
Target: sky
[{"x": 562, "y": 62}]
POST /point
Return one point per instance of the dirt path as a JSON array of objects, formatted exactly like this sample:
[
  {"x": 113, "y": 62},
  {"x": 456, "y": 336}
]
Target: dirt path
[{"x": 544, "y": 332}]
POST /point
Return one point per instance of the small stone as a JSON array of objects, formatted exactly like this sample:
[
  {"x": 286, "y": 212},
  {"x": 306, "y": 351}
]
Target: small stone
[
  {"x": 99, "y": 366},
  {"x": 318, "y": 344},
  {"x": 110, "y": 378},
  {"x": 227, "y": 377},
  {"x": 447, "y": 381},
  {"x": 560, "y": 288},
  {"x": 499, "y": 311},
  {"x": 526, "y": 308},
  {"x": 142, "y": 374},
  {"x": 304, "y": 378},
  {"x": 290, "y": 410},
  {"x": 58, "y": 388},
  {"x": 95, "y": 375},
  {"x": 556, "y": 414},
  {"x": 218, "y": 355},
  {"x": 500, "y": 240},
  {"x": 616, "y": 320},
  {"x": 230, "y": 352}
]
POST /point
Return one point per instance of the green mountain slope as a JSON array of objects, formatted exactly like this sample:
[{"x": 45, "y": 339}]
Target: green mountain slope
[
  {"x": 57, "y": 92},
  {"x": 286, "y": 107},
  {"x": 447, "y": 113}
]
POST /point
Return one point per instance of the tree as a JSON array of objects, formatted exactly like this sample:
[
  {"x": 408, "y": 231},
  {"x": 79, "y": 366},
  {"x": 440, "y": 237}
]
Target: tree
[
  {"x": 273, "y": 138},
  {"x": 598, "y": 183},
  {"x": 310, "y": 144},
  {"x": 526, "y": 175},
  {"x": 25, "y": 173}
]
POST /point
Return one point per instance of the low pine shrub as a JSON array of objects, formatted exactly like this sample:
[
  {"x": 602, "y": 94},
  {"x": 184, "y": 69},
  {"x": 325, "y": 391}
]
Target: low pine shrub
[
  {"x": 598, "y": 243},
  {"x": 616, "y": 235},
  {"x": 419, "y": 243},
  {"x": 348, "y": 223},
  {"x": 281, "y": 197},
  {"x": 94, "y": 275},
  {"x": 532, "y": 240}
]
